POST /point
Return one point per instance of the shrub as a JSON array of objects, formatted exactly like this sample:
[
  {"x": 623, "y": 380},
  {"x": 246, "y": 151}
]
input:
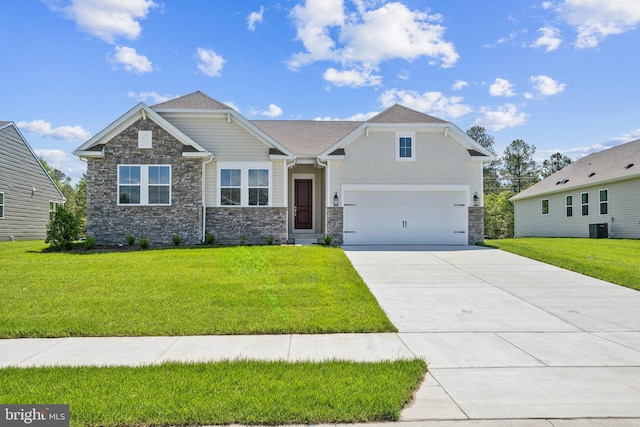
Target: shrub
[
  {"x": 90, "y": 242},
  {"x": 176, "y": 240},
  {"x": 327, "y": 239},
  {"x": 63, "y": 229},
  {"x": 210, "y": 239},
  {"x": 270, "y": 239},
  {"x": 243, "y": 240},
  {"x": 143, "y": 242},
  {"x": 131, "y": 239}
]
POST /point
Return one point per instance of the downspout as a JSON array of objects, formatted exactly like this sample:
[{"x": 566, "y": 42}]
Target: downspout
[
  {"x": 326, "y": 191},
  {"x": 204, "y": 204},
  {"x": 295, "y": 161}
]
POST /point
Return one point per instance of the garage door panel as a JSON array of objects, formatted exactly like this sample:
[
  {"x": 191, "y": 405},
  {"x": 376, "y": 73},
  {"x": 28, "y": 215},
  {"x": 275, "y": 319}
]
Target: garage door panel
[{"x": 405, "y": 217}]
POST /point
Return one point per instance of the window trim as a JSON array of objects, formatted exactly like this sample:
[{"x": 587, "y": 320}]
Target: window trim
[
  {"x": 568, "y": 206},
  {"x": 244, "y": 182},
  {"x": 542, "y": 206},
  {"x": 144, "y": 185},
  {"x": 601, "y": 202},
  {"x": 584, "y": 205},
  {"x": 411, "y": 135},
  {"x": 1, "y": 204},
  {"x": 53, "y": 207}
]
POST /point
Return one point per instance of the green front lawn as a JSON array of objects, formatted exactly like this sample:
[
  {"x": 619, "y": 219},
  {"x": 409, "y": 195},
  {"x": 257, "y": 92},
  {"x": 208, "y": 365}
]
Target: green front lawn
[
  {"x": 220, "y": 393},
  {"x": 186, "y": 291},
  {"x": 613, "y": 260}
]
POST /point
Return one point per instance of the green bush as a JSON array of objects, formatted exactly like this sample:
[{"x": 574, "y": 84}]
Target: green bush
[
  {"x": 270, "y": 239},
  {"x": 243, "y": 240},
  {"x": 143, "y": 242},
  {"x": 63, "y": 229},
  {"x": 176, "y": 240},
  {"x": 210, "y": 239},
  {"x": 90, "y": 242},
  {"x": 327, "y": 239},
  {"x": 130, "y": 239}
]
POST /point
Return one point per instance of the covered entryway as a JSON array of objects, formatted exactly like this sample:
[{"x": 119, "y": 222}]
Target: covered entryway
[{"x": 405, "y": 214}]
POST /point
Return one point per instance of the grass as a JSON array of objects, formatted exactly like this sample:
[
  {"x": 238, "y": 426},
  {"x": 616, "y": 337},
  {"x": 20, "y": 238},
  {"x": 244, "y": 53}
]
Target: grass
[
  {"x": 614, "y": 260},
  {"x": 186, "y": 291},
  {"x": 241, "y": 392}
]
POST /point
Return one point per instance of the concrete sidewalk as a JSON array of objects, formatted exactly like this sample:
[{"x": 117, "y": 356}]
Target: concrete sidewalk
[{"x": 509, "y": 341}]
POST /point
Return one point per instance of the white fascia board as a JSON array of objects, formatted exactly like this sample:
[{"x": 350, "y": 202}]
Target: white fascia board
[
  {"x": 90, "y": 153},
  {"x": 198, "y": 155},
  {"x": 131, "y": 117}
]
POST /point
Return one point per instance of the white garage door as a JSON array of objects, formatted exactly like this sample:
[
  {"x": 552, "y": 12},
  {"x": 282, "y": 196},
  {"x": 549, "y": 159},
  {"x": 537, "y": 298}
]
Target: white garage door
[{"x": 402, "y": 215}]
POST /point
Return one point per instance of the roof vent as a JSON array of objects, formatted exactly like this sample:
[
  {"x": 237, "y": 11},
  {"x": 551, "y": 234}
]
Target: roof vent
[
  {"x": 591, "y": 174},
  {"x": 630, "y": 165},
  {"x": 564, "y": 181}
]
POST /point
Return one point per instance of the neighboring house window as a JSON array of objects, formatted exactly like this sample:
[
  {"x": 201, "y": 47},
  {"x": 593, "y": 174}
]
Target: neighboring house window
[
  {"x": 144, "y": 185},
  {"x": 258, "y": 187},
  {"x": 244, "y": 184},
  {"x": 52, "y": 209},
  {"x": 545, "y": 207},
  {"x": 604, "y": 202},
  {"x": 584, "y": 198},
  {"x": 405, "y": 146},
  {"x": 1, "y": 205},
  {"x": 569, "y": 206},
  {"x": 230, "y": 187}
]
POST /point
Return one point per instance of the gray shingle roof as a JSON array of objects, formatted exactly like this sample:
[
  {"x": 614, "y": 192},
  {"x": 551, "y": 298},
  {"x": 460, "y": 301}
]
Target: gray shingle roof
[
  {"x": 605, "y": 166},
  {"x": 193, "y": 101},
  {"x": 399, "y": 114},
  {"x": 306, "y": 137},
  {"x": 2, "y": 123}
]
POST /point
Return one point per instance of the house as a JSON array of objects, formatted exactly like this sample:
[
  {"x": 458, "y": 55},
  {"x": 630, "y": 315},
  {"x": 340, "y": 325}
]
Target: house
[
  {"x": 599, "y": 194},
  {"x": 193, "y": 165},
  {"x": 28, "y": 196}
]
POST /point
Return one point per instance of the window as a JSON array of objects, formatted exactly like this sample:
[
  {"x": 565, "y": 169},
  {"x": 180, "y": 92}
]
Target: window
[
  {"x": 604, "y": 202},
  {"x": 52, "y": 209},
  {"x": 569, "y": 205},
  {"x": 1, "y": 205},
  {"x": 584, "y": 198},
  {"x": 144, "y": 185},
  {"x": 230, "y": 187},
  {"x": 405, "y": 146},
  {"x": 244, "y": 184},
  {"x": 258, "y": 187},
  {"x": 545, "y": 207}
]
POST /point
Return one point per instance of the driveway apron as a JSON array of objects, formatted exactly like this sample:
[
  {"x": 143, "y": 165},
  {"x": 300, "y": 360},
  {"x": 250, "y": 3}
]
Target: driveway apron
[{"x": 507, "y": 337}]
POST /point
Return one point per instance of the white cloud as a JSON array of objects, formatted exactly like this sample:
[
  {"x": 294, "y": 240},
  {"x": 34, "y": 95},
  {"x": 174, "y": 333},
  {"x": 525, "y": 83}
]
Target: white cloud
[
  {"x": 360, "y": 117},
  {"x": 627, "y": 137},
  {"x": 459, "y": 85},
  {"x": 131, "y": 60},
  {"x": 596, "y": 19},
  {"x": 404, "y": 75},
  {"x": 547, "y": 5},
  {"x": 353, "y": 78},
  {"x": 273, "y": 112},
  {"x": 550, "y": 39},
  {"x": 210, "y": 63},
  {"x": 154, "y": 97},
  {"x": 364, "y": 38},
  {"x": 255, "y": 18},
  {"x": 546, "y": 86},
  {"x": 434, "y": 103},
  {"x": 70, "y": 165},
  {"x": 107, "y": 19},
  {"x": 64, "y": 133},
  {"x": 501, "y": 87},
  {"x": 502, "y": 117}
]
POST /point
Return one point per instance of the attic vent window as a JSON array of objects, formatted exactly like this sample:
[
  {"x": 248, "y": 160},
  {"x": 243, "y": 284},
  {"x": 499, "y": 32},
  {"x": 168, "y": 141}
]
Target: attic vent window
[
  {"x": 630, "y": 165},
  {"x": 591, "y": 174},
  {"x": 144, "y": 139},
  {"x": 564, "y": 181}
]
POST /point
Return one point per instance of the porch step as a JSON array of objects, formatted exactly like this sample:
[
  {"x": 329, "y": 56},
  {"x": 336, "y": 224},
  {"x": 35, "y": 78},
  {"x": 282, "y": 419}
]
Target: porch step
[{"x": 306, "y": 242}]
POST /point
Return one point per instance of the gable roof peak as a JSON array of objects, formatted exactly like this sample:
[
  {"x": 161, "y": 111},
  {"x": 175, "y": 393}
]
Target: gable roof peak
[
  {"x": 398, "y": 113},
  {"x": 197, "y": 100}
]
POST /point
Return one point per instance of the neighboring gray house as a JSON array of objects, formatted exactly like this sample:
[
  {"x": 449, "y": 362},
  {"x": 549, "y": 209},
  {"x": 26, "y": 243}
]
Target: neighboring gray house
[
  {"x": 602, "y": 188},
  {"x": 28, "y": 196},
  {"x": 192, "y": 165}
]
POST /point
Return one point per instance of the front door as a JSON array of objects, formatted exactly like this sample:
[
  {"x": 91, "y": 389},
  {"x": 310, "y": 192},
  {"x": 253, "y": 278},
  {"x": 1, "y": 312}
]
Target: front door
[{"x": 303, "y": 209}]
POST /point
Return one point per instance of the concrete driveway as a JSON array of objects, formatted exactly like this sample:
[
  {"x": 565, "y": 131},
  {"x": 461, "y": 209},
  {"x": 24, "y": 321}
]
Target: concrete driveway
[{"x": 507, "y": 337}]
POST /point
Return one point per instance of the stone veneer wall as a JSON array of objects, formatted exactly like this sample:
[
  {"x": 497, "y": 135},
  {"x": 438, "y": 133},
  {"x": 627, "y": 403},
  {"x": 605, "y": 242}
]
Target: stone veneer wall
[
  {"x": 228, "y": 224},
  {"x": 109, "y": 223},
  {"x": 335, "y": 225},
  {"x": 476, "y": 224}
]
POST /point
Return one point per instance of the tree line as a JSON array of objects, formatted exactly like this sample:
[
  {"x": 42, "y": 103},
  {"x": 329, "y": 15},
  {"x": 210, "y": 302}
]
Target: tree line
[
  {"x": 515, "y": 171},
  {"x": 75, "y": 195}
]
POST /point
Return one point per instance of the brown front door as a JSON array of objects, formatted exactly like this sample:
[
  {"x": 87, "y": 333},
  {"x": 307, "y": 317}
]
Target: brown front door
[{"x": 303, "y": 209}]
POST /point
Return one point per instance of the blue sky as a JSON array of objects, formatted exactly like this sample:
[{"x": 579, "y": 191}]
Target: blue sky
[{"x": 561, "y": 75}]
